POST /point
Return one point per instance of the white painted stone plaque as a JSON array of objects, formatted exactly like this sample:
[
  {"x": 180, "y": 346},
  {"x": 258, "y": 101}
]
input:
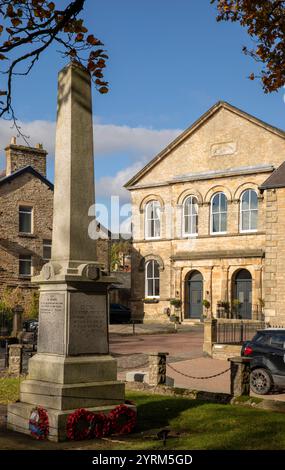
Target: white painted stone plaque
[
  {"x": 225, "y": 148},
  {"x": 51, "y": 325},
  {"x": 87, "y": 324}
]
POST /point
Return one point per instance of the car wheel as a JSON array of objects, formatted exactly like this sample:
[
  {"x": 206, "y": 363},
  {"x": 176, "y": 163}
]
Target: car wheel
[{"x": 260, "y": 381}]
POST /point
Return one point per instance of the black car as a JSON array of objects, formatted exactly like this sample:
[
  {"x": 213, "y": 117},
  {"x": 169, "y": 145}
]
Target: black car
[
  {"x": 267, "y": 353},
  {"x": 120, "y": 314},
  {"x": 30, "y": 325}
]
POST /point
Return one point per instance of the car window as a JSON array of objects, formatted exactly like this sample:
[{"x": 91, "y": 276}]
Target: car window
[
  {"x": 261, "y": 338},
  {"x": 278, "y": 341}
]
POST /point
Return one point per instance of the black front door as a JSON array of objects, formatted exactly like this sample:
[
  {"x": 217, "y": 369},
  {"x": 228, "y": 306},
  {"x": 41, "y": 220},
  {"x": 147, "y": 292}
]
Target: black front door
[
  {"x": 243, "y": 294},
  {"x": 195, "y": 296}
]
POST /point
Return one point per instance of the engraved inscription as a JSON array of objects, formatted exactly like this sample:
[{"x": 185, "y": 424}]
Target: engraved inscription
[
  {"x": 88, "y": 324},
  {"x": 51, "y": 325}
]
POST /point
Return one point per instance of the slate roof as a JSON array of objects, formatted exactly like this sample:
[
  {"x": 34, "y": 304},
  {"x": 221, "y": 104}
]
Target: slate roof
[
  {"x": 276, "y": 179},
  {"x": 26, "y": 169}
]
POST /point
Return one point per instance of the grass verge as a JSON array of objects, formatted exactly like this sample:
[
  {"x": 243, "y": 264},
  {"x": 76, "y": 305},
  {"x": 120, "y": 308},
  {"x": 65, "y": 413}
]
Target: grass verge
[{"x": 193, "y": 424}]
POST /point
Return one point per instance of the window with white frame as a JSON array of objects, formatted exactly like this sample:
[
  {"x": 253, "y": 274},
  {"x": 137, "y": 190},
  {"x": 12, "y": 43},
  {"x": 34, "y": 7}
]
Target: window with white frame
[
  {"x": 152, "y": 279},
  {"x": 248, "y": 211},
  {"x": 25, "y": 265},
  {"x": 190, "y": 216},
  {"x": 152, "y": 220},
  {"x": 219, "y": 209},
  {"x": 25, "y": 219},
  {"x": 46, "y": 250}
]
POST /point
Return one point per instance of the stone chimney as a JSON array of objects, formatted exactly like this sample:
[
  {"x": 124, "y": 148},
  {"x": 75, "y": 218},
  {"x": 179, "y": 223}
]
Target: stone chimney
[{"x": 20, "y": 156}]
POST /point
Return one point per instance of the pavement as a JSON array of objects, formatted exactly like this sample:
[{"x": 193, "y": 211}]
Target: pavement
[{"x": 185, "y": 355}]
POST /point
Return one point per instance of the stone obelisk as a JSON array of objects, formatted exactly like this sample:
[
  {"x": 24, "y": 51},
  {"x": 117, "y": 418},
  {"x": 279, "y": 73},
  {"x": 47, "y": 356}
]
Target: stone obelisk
[{"x": 72, "y": 368}]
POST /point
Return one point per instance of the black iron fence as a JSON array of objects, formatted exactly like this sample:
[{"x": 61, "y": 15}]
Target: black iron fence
[{"x": 236, "y": 332}]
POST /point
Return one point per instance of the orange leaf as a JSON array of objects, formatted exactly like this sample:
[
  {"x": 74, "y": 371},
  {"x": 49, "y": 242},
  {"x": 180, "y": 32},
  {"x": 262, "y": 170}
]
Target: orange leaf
[
  {"x": 103, "y": 90},
  {"x": 16, "y": 21},
  {"x": 79, "y": 37}
]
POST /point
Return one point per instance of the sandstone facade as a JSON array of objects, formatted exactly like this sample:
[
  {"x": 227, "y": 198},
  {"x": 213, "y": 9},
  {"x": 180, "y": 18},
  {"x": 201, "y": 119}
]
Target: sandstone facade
[{"x": 226, "y": 151}]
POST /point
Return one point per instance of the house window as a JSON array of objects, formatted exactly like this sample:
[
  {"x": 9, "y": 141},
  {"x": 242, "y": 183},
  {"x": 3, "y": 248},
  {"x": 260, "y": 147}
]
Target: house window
[
  {"x": 249, "y": 211},
  {"x": 25, "y": 219},
  {"x": 152, "y": 279},
  {"x": 25, "y": 265},
  {"x": 219, "y": 208},
  {"x": 190, "y": 216},
  {"x": 152, "y": 220},
  {"x": 46, "y": 250}
]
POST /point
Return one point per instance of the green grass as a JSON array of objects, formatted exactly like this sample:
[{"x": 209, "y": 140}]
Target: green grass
[
  {"x": 9, "y": 389},
  {"x": 193, "y": 424}
]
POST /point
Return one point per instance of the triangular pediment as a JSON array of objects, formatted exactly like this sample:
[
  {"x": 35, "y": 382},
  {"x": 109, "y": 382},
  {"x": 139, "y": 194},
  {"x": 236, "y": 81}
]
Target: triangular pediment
[{"x": 218, "y": 134}]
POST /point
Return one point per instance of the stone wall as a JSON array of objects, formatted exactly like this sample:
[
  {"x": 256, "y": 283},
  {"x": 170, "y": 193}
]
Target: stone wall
[
  {"x": 274, "y": 277},
  {"x": 25, "y": 189}
]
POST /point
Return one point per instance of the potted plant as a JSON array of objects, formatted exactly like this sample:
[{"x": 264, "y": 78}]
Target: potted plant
[
  {"x": 207, "y": 305},
  {"x": 175, "y": 318},
  {"x": 176, "y": 303}
]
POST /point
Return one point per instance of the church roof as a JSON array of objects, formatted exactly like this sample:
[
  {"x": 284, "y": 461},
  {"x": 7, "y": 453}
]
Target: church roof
[{"x": 198, "y": 123}]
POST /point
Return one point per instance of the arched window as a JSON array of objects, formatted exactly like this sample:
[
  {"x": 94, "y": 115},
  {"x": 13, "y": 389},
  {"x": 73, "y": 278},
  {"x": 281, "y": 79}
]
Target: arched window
[
  {"x": 152, "y": 279},
  {"x": 248, "y": 211},
  {"x": 219, "y": 208},
  {"x": 152, "y": 220},
  {"x": 190, "y": 216}
]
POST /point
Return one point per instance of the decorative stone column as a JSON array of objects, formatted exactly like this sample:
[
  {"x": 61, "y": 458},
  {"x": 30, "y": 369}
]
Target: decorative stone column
[
  {"x": 157, "y": 368},
  {"x": 15, "y": 359},
  {"x": 210, "y": 335},
  {"x": 240, "y": 376},
  {"x": 257, "y": 293},
  {"x": 17, "y": 320}
]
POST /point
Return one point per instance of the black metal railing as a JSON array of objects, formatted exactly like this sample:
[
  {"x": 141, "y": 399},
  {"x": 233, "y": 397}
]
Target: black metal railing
[{"x": 237, "y": 332}]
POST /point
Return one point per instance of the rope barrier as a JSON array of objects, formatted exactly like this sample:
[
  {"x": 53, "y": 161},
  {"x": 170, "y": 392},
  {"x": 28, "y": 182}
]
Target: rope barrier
[{"x": 198, "y": 378}]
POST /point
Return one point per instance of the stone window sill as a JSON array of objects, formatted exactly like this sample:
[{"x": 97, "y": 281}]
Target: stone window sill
[
  {"x": 26, "y": 235},
  {"x": 150, "y": 301}
]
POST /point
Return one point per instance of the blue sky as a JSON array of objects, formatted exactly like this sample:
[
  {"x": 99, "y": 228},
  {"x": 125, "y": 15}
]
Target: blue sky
[{"x": 169, "y": 62}]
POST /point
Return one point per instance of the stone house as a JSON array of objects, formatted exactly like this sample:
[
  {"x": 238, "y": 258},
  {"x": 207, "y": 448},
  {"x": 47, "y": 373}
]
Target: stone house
[
  {"x": 26, "y": 202},
  {"x": 274, "y": 271},
  {"x": 200, "y": 220}
]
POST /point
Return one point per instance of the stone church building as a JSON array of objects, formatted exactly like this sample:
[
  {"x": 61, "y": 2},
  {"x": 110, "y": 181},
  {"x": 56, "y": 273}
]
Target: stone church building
[{"x": 203, "y": 224}]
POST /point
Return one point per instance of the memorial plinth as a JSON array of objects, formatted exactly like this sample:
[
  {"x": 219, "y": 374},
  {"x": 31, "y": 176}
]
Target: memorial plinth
[{"x": 72, "y": 368}]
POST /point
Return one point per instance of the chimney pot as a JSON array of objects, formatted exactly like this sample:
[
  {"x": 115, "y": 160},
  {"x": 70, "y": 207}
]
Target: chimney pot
[
  {"x": 13, "y": 140},
  {"x": 39, "y": 146}
]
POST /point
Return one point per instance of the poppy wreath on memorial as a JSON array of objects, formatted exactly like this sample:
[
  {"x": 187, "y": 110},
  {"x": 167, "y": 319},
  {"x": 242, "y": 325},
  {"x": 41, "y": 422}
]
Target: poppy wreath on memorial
[
  {"x": 101, "y": 425},
  {"x": 80, "y": 425},
  {"x": 123, "y": 419},
  {"x": 38, "y": 423}
]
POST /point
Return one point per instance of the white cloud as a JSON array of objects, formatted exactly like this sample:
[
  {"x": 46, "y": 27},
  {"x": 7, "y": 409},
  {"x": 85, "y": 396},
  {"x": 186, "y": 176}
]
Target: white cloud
[
  {"x": 37, "y": 131},
  {"x": 108, "y": 186},
  {"x": 108, "y": 138}
]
